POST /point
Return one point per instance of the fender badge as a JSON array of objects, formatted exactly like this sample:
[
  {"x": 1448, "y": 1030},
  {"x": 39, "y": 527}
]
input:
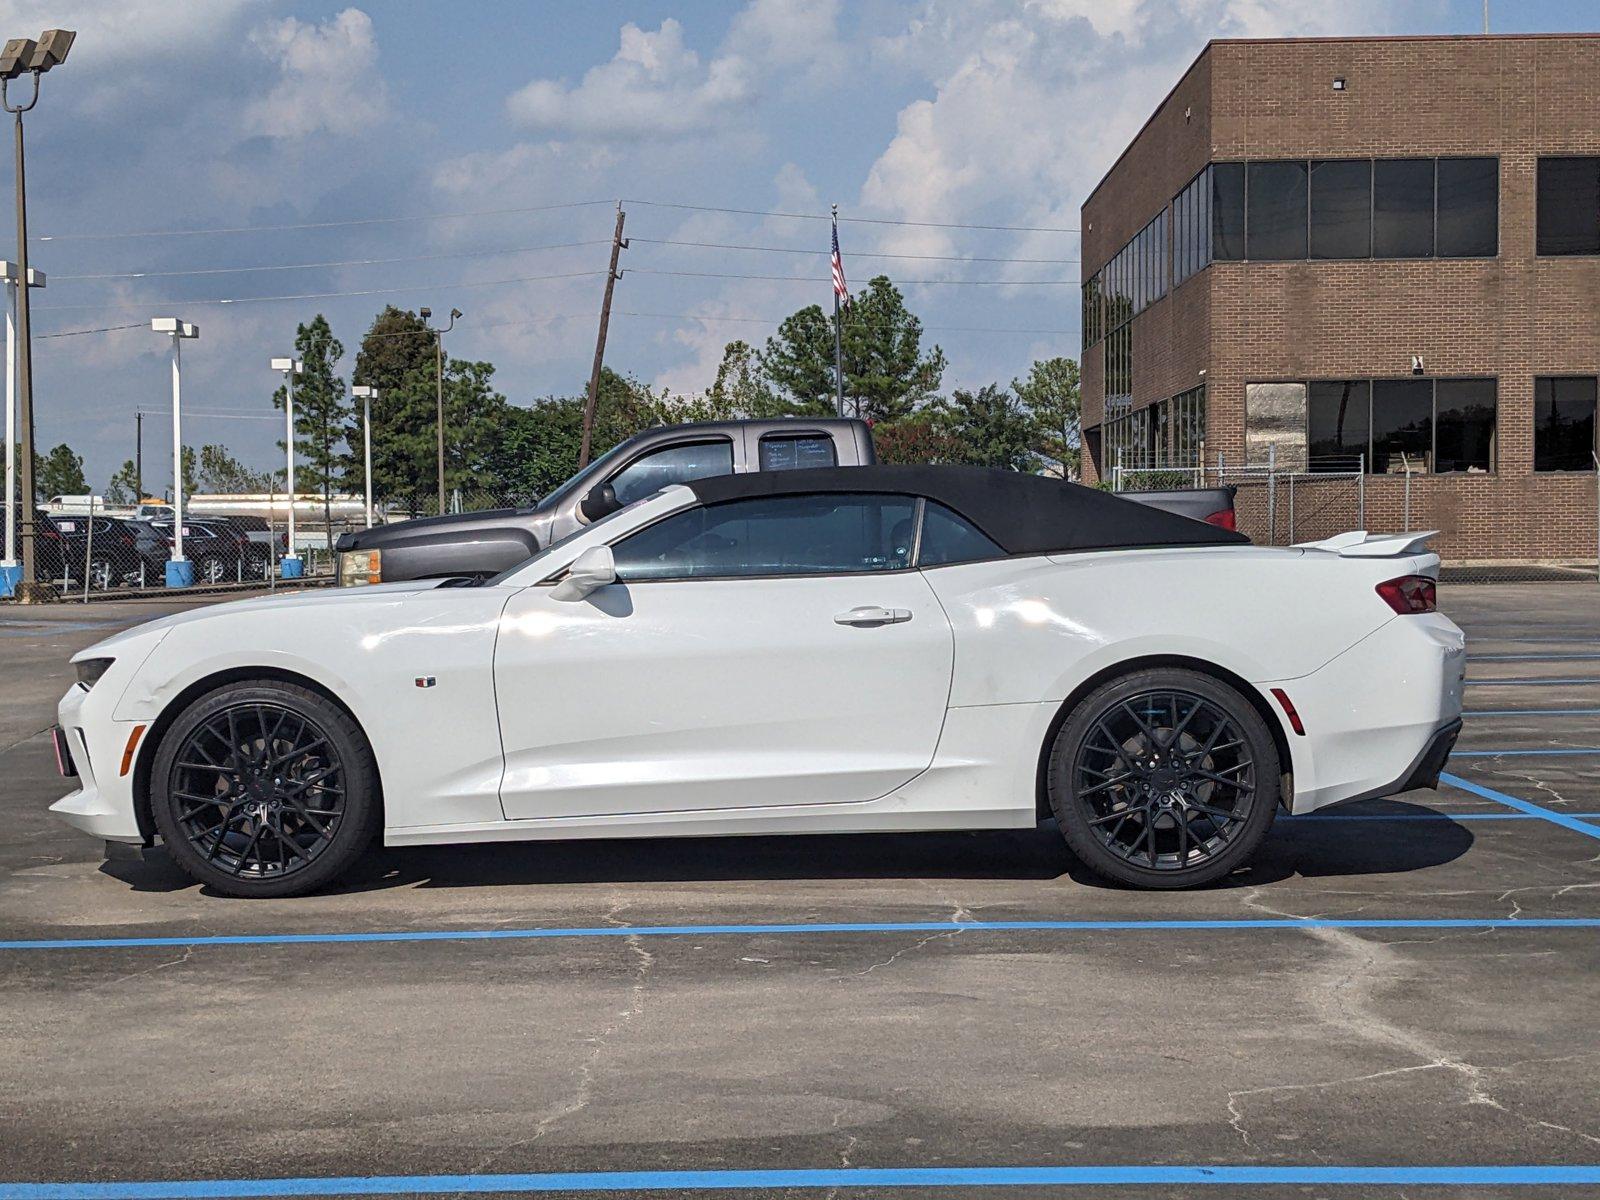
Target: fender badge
[{"x": 425, "y": 681}]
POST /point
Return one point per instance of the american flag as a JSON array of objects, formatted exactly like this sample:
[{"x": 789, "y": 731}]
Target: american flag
[{"x": 841, "y": 290}]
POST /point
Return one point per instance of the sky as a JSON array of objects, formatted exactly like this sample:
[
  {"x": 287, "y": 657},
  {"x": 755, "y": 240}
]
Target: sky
[{"x": 472, "y": 155}]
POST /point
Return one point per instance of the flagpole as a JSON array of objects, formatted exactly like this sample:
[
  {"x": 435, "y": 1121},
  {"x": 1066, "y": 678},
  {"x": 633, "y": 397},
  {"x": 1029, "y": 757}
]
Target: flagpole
[{"x": 838, "y": 344}]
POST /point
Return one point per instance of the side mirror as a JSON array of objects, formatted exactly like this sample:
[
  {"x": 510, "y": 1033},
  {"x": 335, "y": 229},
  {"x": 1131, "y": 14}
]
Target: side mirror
[
  {"x": 589, "y": 572},
  {"x": 600, "y": 502}
]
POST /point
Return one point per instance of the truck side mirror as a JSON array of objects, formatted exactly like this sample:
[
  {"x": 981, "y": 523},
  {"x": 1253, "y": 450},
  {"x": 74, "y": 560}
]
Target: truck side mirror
[{"x": 601, "y": 501}]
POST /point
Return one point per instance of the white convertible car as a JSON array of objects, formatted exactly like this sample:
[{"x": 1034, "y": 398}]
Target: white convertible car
[{"x": 867, "y": 649}]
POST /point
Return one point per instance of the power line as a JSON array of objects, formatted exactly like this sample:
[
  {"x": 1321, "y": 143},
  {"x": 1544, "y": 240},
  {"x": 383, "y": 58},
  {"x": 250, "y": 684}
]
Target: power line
[
  {"x": 905, "y": 282},
  {"x": 854, "y": 253},
  {"x": 348, "y": 262},
  {"x": 420, "y": 287},
  {"x": 450, "y": 216},
  {"x": 756, "y": 212},
  {"x": 39, "y": 337}
]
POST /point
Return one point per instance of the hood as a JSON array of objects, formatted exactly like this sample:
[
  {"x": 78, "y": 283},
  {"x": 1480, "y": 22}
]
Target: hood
[{"x": 299, "y": 599}]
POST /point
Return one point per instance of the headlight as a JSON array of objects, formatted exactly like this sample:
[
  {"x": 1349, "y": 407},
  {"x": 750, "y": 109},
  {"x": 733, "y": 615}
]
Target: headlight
[
  {"x": 90, "y": 670},
  {"x": 360, "y": 566}
]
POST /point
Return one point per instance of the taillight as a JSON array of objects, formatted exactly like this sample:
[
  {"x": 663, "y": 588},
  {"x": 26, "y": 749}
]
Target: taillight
[
  {"x": 1410, "y": 594},
  {"x": 127, "y": 539},
  {"x": 1224, "y": 519}
]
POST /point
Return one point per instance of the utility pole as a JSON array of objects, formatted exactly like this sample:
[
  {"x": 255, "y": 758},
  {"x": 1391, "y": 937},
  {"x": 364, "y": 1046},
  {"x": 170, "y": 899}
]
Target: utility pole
[
  {"x": 438, "y": 374},
  {"x": 618, "y": 245},
  {"x": 138, "y": 458}
]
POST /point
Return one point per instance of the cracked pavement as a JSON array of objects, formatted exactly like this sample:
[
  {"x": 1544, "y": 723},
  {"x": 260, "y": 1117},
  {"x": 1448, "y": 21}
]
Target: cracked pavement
[{"x": 937, "y": 1048}]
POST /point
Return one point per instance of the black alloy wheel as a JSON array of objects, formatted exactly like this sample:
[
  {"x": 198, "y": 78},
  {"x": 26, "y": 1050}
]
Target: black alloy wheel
[
  {"x": 264, "y": 789},
  {"x": 1164, "y": 779}
]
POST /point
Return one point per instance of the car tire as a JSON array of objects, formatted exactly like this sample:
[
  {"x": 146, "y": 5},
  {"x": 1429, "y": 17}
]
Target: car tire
[
  {"x": 263, "y": 788},
  {"x": 1164, "y": 779},
  {"x": 102, "y": 575}
]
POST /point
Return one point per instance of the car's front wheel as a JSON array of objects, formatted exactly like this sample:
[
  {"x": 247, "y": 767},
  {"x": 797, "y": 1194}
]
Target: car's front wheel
[
  {"x": 1164, "y": 778},
  {"x": 264, "y": 789}
]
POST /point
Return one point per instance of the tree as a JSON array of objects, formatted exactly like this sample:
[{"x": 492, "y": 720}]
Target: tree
[
  {"x": 991, "y": 427},
  {"x": 320, "y": 411},
  {"x": 124, "y": 485},
  {"x": 220, "y": 471},
  {"x": 885, "y": 369},
  {"x": 191, "y": 482},
  {"x": 1051, "y": 394},
  {"x": 60, "y": 473},
  {"x": 397, "y": 358},
  {"x": 919, "y": 438},
  {"x": 742, "y": 388}
]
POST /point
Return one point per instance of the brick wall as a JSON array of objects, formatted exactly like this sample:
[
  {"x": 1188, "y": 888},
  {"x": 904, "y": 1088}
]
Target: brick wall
[{"x": 1512, "y": 317}]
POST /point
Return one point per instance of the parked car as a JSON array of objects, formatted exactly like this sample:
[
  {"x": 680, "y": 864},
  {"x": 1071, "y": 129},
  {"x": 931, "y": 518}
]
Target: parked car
[
  {"x": 481, "y": 544},
  {"x": 1213, "y": 505},
  {"x": 153, "y": 548},
  {"x": 103, "y": 547},
  {"x": 824, "y": 651},
  {"x": 262, "y": 545},
  {"x": 217, "y": 550},
  {"x": 49, "y": 559}
]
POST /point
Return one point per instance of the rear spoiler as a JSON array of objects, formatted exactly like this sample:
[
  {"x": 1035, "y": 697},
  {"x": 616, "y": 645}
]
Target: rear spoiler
[{"x": 1358, "y": 543}]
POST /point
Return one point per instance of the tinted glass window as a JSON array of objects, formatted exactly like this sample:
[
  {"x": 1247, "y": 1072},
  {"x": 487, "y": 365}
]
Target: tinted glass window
[
  {"x": 774, "y": 535},
  {"x": 1469, "y": 207},
  {"x": 1563, "y": 424},
  {"x": 1464, "y": 425},
  {"x": 1227, "y": 211},
  {"x": 793, "y": 453},
  {"x": 1569, "y": 206},
  {"x": 948, "y": 537},
  {"x": 1402, "y": 425},
  {"x": 1339, "y": 423},
  {"x": 1402, "y": 208},
  {"x": 1341, "y": 209},
  {"x": 672, "y": 464},
  {"x": 1276, "y": 224}
]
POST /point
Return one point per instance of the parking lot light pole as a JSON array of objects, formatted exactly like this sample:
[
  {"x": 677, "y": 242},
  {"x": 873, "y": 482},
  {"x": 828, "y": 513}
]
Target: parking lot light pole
[
  {"x": 180, "y": 571},
  {"x": 10, "y": 567},
  {"x": 24, "y": 56},
  {"x": 368, "y": 394},
  {"x": 438, "y": 366},
  {"x": 290, "y": 566}
]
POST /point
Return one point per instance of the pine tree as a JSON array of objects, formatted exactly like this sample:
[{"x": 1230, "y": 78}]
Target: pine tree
[{"x": 321, "y": 414}]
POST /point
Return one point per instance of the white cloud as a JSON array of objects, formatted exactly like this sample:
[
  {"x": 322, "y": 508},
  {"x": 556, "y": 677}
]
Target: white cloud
[
  {"x": 654, "y": 86},
  {"x": 328, "y": 81}
]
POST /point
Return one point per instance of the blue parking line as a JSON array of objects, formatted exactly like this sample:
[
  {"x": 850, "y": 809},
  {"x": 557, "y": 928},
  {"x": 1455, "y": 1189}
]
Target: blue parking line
[
  {"x": 1531, "y": 657},
  {"x": 1560, "y": 752},
  {"x": 1546, "y": 1175},
  {"x": 767, "y": 930},
  {"x": 1425, "y": 816},
  {"x": 1548, "y": 814},
  {"x": 1528, "y": 682},
  {"x": 1532, "y": 712}
]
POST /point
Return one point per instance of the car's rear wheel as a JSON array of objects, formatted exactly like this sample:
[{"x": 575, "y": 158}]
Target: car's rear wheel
[
  {"x": 264, "y": 789},
  {"x": 1164, "y": 778}
]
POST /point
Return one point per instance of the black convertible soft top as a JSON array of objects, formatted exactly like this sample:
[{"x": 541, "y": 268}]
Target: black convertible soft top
[{"x": 1023, "y": 514}]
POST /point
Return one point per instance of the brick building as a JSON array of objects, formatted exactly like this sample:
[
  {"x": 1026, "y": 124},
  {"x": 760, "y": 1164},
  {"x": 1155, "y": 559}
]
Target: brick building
[{"x": 1366, "y": 253}]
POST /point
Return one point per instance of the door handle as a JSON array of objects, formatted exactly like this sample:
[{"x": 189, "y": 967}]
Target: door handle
[{"x": 872, "y": 614}]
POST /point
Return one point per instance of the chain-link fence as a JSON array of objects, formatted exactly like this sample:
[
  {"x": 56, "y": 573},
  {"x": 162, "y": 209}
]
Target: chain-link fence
[{"x": 1277, "y": 507}]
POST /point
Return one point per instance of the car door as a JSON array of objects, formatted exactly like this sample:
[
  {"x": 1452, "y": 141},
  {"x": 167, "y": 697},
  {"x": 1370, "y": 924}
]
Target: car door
[{"x": 762, "y": 653}]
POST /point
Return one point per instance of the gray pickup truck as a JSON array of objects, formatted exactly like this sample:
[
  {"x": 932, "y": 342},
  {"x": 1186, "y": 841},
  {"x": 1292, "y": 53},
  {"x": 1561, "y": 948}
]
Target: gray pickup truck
[
  {"x": 478, "y": 545},
  {"x": 481, "y": 544}
]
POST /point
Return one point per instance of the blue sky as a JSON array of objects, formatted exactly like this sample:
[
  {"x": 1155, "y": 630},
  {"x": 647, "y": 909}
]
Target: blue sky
[{"x": 239, "y": 114}]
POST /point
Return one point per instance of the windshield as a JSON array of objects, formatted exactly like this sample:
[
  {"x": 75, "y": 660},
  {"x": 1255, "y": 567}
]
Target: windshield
[
  {"x": 581, "y": 481},
  {"x": 555, "y": 545}
]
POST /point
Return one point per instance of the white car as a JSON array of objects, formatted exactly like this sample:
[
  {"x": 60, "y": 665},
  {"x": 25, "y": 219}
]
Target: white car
[{"x": 866, "y": 649}]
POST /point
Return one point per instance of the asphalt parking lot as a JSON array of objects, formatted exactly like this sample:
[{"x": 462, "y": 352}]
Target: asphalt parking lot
[{"x": 1400, "y": 994}]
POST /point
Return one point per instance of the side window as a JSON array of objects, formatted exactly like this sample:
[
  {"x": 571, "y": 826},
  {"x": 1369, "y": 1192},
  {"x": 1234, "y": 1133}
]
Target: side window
[
  {"x": 774, "y": 535},
  {"x": 791, "y": 452},
  {"x": 948, "y": 537},
  {"x": 672, "y": 464}
]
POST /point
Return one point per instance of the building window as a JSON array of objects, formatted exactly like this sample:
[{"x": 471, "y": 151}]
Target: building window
[
  {"x": 1227, "y": 212},
  {"x": 1093, "y": 313},
  {"x": 1119, "y": 367},
  {"x": 1402, "y": 426},
  {"x": 1341, "y": 208},
  {"x": 1468, "y": 217},
  {"x": 1191, "y": 228},
  {"x": 1564, "y": 424},
  {"x": 1275, "y": 210},
  {"x": 1443, "y": 426},
  {"x": 1464, "y": 425},
  {"x": 1569, "y": 206},
  {"x": 1339, "y": 424},
  {"x": 1402, "y": 208}
]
